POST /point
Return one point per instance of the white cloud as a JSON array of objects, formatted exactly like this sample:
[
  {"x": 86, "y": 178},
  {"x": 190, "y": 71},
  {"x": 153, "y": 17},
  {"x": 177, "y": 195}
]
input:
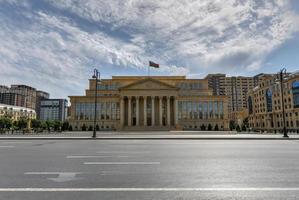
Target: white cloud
[{"x": 201, "y": 36}]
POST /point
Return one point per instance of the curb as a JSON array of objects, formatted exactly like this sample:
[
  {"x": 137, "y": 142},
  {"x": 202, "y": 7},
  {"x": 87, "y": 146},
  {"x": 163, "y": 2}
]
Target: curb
[{"x": 141, "y": 138}]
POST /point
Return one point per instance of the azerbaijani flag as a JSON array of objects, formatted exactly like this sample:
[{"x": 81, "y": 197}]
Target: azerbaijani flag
[{"x": 152, "y": 64}]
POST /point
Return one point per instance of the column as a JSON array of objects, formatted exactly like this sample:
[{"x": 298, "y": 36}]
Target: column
[
  {"x": 122, "y": 109},
  {"x": 144, "y": 111},
  {"x": 129, "y": 111},
  {"x": 137, "y": 111},
  {"x": 153, "y": 111},
  {"x": 168, "y": 111},
  {"x": 175, "y": 111},
  {"x": 160, "y": 111}
]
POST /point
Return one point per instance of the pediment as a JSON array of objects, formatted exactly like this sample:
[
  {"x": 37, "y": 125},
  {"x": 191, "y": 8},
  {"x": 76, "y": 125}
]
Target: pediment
[{"x": 149, "y": 84}]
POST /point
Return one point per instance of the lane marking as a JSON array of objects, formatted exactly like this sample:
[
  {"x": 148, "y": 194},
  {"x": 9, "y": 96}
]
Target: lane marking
[
  {"x": 142, "y": 189},
  {"x": 61, "y": 176},
  {"x": 97, "y": 156},
  {"x": 15, "y": 142},
  {"x": 7, "y": 146},
  {"x": 121, "y": 163},
  {"x": 124, "y": 152}
]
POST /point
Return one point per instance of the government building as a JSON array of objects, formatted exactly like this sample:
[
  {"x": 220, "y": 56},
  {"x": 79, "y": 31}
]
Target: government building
[{"x": 150, "y": 103}]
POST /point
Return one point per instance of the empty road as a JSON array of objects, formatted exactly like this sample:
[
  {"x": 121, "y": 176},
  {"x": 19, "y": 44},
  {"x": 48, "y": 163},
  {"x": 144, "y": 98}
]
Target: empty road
[{"x": 149, "y": 169}]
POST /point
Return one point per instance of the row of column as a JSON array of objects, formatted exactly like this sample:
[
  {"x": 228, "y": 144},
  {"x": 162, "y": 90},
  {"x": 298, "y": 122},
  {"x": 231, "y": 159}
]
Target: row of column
[{"x": 122, "y": 110}]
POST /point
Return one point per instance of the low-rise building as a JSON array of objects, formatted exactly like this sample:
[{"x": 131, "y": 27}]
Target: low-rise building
[
  {"x": 265, "y": 104},
  {"x": 16, "y": 112}
]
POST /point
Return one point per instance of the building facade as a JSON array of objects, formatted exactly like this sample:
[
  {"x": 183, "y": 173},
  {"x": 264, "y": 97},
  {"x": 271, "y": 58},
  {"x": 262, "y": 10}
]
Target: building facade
[
  {"x": 236, "y": 88},
  {"x": 28, "y": 92},
  {"x": 150, "y": 103},
  {"x": 265, "y": 104},
  {"x": 14, "y": 99},
  {"x": 16, "y": 112},
  {"x": 40, "y": 95},
  {"x": 53, "y": 109}
]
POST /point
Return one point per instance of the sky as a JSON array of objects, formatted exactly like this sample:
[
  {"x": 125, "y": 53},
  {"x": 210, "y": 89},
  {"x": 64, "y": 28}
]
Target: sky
[{"x": 54, "y": 45}]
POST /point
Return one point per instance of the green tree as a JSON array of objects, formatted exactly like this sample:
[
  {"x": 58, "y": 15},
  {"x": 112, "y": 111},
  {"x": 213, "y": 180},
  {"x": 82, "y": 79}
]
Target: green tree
[
  {"x": 232, "y": 125},
  {"x": 57, "y": 125},
  {"x": 216, "y": 127},
  {"x": 203, "y": 127},
  {"x": 244, "y": 127},
  {"x": 22, "y": 124},
  {"x": 36, "y": 124},
  {"x": 65, "y": 126},
  {"x": 97, "y": 127},
  {"x": 49, "y": 125},
  {"x": 83, "y": 127},
  {"x": 5, "y": 123},
  {"x": 70, "y": 128},
  {"x": 209, "y": 127}
]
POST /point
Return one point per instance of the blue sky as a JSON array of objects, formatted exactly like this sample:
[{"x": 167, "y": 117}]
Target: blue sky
[{"x": 54, "y": 45}]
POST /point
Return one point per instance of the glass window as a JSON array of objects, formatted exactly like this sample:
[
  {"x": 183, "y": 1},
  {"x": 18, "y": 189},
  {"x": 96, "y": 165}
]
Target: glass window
[
  {"x": 180, "y": 110},
  {"x": 269, "y": 100},
  {"x": 221, "y": 109},
  {"x": 250, "y": 106},
  {"x": 295, "y": 91},
  {"x": 190, "y": 113},
  {"x": 195, "y": 110},
  {"x": 184, "y": 110},
  {"x": 200, "y": 110},
  {"x": 205, "y": 107},
  {"x": 216, "y": 109},
  {"x": 210, "y": 109}
]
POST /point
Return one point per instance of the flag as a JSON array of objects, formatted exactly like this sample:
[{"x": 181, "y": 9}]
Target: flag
[{"x": 152, "y": 64}]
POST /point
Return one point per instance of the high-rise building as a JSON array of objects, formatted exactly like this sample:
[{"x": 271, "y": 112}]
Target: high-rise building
[
  {"x": 235, "y": 88},
  {"x": 28, "y": 92},
  {"x": 40, "y": 95},
  {"x": 53, "y": 109},
  {"x": 14, "y": 99},
  {"x": 4, "y": 89},
  {"x": 265, "y": 104}
]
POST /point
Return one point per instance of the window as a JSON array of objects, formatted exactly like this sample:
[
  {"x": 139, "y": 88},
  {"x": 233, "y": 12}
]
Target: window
[
  {"x": 295, "y": 91},
  {"x": 269, "y": 100},
  {"x": 250, "y": 109}
]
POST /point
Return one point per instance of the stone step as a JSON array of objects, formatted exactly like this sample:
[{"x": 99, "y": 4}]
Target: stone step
[{"x": 148, "y": 128}]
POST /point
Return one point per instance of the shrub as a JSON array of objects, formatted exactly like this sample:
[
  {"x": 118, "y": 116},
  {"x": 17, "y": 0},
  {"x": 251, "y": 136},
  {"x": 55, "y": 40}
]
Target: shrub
[
  {"x": 83, "y": 127},
  {"x": 216, "y": 127},
  {"x": 203, "y": 127},
  {"x": 209, "y": 127}
]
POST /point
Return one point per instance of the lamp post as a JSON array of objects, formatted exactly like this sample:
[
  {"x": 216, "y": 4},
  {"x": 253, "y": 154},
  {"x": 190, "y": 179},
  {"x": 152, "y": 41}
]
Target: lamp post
[
  {"x": 96, "y": 76},
  {"x": 281, "y": 76}
]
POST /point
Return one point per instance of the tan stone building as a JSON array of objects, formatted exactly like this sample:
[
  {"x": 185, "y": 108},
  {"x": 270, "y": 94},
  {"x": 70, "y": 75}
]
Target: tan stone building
[
  {"x": 265, "y": 106},
  {"x": 150, "y": 103}
]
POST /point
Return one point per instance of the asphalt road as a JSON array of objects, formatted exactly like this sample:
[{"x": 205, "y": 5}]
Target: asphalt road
[{"x": 149, "y": 169}]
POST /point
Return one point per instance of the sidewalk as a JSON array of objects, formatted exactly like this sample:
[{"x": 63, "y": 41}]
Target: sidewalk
[{"x": 162, "y": 135}]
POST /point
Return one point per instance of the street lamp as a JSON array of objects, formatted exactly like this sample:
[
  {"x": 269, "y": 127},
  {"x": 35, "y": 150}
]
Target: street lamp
[
  {"x": 96, "y": 76},
  {"x": 281, "y": 76}
]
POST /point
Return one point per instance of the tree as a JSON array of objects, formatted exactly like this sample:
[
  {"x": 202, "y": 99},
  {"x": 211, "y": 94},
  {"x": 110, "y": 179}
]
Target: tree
[
  {"x": 5, "y": 123},
  {"x": 36, "y": 124},
  {"x": 216, "y": 127},
  {"x": 70, "y": 128},
  {"x": 22, "y": 123},
  {"x": 65, "y": 126},
  {"x": 57, "y": 125},
  {"x": 238, "y": 128},
  {"x": 90, "y": 128},
  {"x": 97, "y": 127},
  {"x": 244, "y": 127},
  {"x": 83, "y": 127},
  {"x": 203, "y": 127},
  {"x": 232, "y": 125},
  {"x": 209, "y": 127},
  {"x": 49, "y": 125}
]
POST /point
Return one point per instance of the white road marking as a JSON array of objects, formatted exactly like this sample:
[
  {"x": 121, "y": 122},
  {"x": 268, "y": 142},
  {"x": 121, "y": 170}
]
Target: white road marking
[
  {"x": 15, "y": 142},
  {"x": 125, "y": 152},
  {"x": 62, "y": 176},
  {"x": 97, "y": 156},
  {"x": 7, "y": 146},
  {"x": 143, "y": 189},
  {"x": 121, "y": 163}
]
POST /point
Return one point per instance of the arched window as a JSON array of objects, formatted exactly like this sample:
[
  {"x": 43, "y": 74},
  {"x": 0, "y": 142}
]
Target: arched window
[
  {"x": 295, "y": 91},
  {"x": 250, "y": 110},
  {"x": 269, "y": 100}
]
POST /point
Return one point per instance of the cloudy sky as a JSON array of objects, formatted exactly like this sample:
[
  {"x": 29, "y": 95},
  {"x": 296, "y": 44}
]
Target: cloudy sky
[{"x": 54, "y": 45}]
